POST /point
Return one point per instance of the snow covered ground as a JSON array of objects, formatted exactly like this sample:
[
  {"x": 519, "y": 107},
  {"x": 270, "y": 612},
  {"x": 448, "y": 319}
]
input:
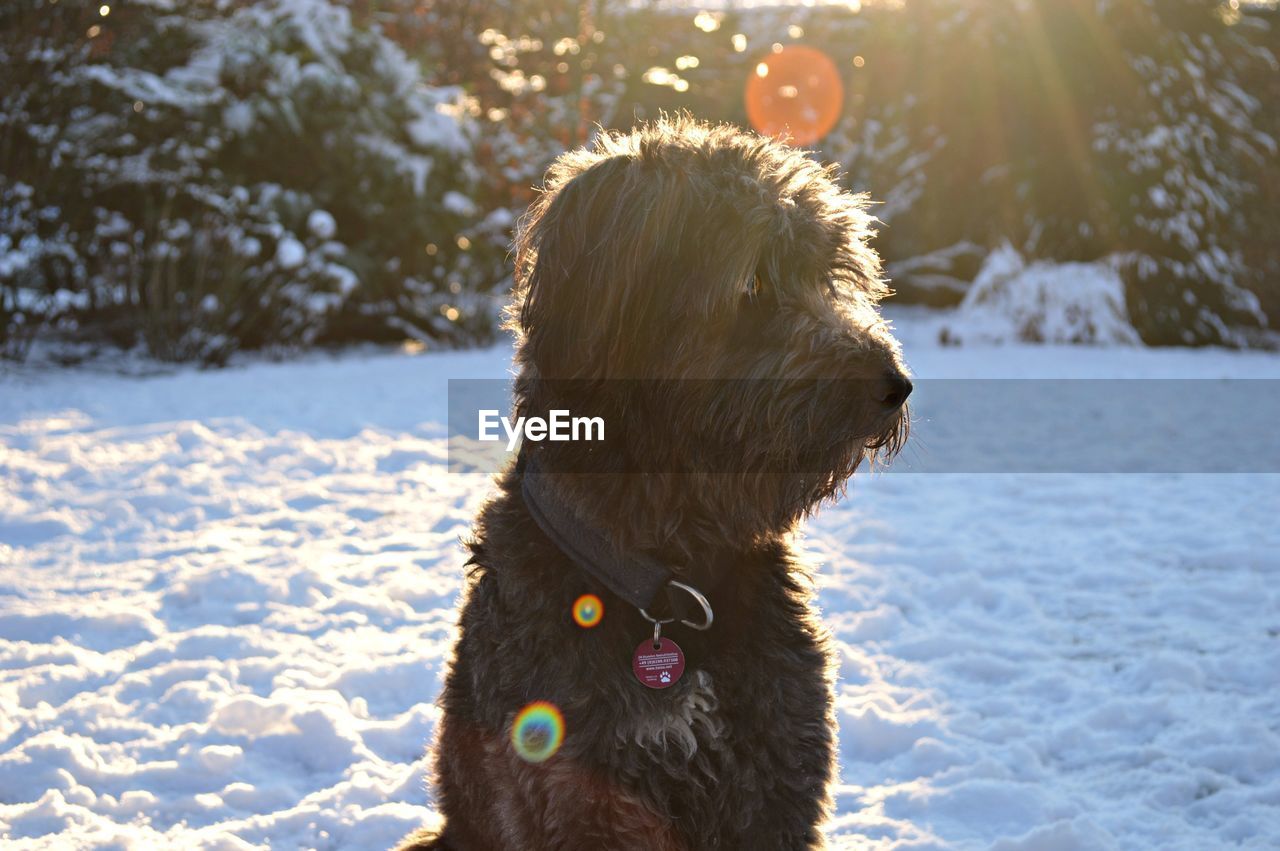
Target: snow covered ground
[{"x": 227, "y": 597}]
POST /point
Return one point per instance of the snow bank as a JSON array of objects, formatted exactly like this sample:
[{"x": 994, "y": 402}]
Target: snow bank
[{"x": 1042, "y": 302}]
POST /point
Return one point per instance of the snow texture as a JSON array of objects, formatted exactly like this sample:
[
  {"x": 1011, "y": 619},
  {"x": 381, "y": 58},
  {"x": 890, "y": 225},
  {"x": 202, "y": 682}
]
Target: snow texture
[{"x": 228, "y": 599}]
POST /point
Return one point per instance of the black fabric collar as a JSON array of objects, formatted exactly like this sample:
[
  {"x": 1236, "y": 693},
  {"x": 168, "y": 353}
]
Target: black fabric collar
[{"x": 639, "y": 579}]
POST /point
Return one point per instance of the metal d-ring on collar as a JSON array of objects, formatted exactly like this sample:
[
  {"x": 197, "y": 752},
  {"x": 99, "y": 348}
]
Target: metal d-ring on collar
[
  {"x": 636, "y": 577},
  {"x": 696, "y": 595}
]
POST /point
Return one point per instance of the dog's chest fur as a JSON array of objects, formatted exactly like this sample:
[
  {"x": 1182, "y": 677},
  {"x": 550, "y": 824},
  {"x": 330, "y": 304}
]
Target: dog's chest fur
[{"x": 688, "y": 722}]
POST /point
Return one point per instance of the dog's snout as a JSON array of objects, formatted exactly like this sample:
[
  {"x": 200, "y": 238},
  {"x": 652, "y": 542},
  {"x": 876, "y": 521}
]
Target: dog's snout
[{"x": 892, "y": 390}]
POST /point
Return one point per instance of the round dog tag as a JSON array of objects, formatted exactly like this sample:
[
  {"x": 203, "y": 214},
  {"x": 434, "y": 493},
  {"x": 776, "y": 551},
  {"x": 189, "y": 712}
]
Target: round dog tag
[{"x": 658, "y": 665}]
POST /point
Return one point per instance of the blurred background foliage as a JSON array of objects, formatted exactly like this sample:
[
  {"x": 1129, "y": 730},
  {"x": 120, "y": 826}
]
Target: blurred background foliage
[{"x": 196, "y": 178}]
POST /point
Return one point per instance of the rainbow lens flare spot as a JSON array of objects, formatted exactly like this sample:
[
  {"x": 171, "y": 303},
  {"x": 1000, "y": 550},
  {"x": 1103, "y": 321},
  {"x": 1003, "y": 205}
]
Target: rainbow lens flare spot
[
  {"x": 587, "y": 610},
  {"x": 538, "y": 731}
]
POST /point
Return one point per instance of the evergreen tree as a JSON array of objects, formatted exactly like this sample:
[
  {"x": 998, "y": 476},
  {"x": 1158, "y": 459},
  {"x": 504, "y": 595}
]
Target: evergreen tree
[
  {"x": 1181, "y": 148},
  {"x": 222, "y": 175}
]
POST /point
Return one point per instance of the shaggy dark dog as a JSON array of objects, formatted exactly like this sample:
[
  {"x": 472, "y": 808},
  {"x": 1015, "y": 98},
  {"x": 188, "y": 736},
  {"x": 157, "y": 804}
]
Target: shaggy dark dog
[{"x": 710, "y": 293}]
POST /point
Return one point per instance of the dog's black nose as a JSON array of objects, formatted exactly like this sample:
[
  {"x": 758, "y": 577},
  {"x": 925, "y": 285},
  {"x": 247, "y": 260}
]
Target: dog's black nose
[{"x": 892, "y": 390}]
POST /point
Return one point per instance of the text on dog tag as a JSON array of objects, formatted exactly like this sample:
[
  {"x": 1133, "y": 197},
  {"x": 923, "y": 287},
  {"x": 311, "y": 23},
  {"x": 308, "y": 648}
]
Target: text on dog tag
[{"x": 658, "y": 665}]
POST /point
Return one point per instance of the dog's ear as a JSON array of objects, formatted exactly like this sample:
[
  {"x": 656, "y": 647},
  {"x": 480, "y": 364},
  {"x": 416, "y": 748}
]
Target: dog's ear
[
  {"x": 619, "y": 250},
  {"x": 568, "y": 269}
]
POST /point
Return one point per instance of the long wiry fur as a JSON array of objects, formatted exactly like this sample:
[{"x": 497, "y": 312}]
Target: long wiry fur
[{"x": 712, "y": 294}]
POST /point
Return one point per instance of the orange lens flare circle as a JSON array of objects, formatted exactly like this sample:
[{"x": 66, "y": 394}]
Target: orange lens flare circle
[
  {"x": 537, "y": 732},
  {"x": 588, "y": 610},
  {"x": 797, "y": 92}
]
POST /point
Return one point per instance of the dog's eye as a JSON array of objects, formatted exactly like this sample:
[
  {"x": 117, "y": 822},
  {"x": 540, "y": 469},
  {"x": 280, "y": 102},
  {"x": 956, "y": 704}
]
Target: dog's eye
[{"x": 752, "y": 289}]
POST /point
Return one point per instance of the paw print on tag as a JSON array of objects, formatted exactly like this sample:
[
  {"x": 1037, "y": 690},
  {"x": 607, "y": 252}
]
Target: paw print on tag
[{"x": 665, "y": 677}]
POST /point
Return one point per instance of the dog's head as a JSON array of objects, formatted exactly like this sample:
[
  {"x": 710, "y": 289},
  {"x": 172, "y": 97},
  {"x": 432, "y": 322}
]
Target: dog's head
[{"x": 715, "y": 291}]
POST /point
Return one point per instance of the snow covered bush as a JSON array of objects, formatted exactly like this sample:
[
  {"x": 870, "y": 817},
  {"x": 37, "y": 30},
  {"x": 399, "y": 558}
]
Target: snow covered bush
[
  {"x": 220, "y": 173},
  {"x": 1041, "y": 302},
  {"x": 1130, "y": 134},
  {"x": 213, "y": 175}
]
